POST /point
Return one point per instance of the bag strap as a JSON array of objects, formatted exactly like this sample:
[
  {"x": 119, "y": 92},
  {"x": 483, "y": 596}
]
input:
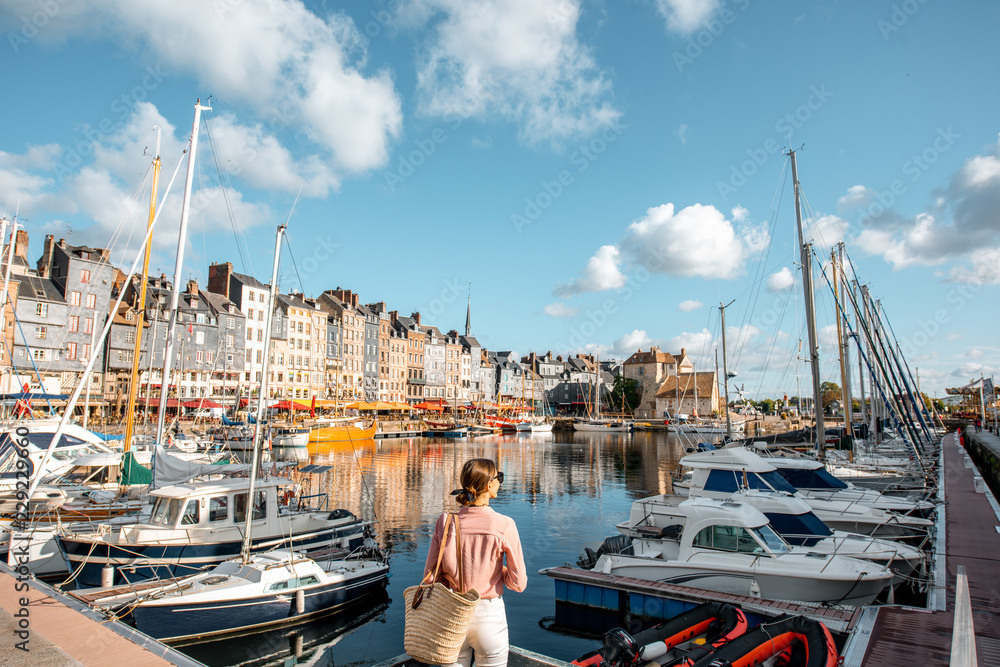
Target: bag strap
[
  {"x": 444, "y": 538},
  {"x": 458, "y": 555}
]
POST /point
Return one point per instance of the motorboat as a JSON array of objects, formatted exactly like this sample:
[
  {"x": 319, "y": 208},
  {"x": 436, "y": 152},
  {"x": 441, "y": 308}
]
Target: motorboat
[
  {"x": 790, "y": 517},
  {"x": 198, "y": 524},
  {"x": 289, "y": 443},
  {"x": 603, "y": 425},
  {"x": 267, "y": 589},
  {"x": 730, "y": 547},
  {"x": 718, "y": 473},
  {"x": 343, "y": 429}
]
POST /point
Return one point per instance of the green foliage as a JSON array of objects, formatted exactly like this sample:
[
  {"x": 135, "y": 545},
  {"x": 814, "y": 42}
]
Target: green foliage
[
  {"x": 625, "y": 395},
  {"x": 829, "y": 392}
]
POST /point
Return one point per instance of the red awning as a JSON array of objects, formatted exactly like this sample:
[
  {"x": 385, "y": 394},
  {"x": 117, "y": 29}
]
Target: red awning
[{"x": 202, "y": 403}]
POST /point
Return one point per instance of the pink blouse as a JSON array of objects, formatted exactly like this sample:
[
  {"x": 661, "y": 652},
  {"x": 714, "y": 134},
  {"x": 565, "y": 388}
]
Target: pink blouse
[{"x": 486, "y": 538}]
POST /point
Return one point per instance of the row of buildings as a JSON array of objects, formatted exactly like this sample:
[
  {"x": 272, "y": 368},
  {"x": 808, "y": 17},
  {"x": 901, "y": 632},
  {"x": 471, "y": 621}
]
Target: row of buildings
[{"x": 331, "y": 347}]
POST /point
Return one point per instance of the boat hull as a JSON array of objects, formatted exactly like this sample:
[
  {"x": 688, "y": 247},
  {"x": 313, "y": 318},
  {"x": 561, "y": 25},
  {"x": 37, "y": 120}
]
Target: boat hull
[
  {"x": 173, "y": 622},
  {"x": 341, "y": 433},
  {"x": 139, "y": 562}
]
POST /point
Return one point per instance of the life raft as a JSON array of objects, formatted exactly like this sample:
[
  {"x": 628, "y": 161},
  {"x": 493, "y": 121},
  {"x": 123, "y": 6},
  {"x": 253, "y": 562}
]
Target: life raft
[
  {"x": 796, "y": 641},
  {"x": 714, "y": 623}
]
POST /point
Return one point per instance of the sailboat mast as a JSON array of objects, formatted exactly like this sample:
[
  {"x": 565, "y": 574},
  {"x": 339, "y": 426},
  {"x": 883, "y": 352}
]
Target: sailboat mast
[
  {"x": 178, "y": 272},
  {"x": 133, "y": 385},
  {"x": 845, "y": 391},
  {"x": 255, "y": 460},
  {"x": 725, "y": 370},
  {"x": 810, "y": 306}
]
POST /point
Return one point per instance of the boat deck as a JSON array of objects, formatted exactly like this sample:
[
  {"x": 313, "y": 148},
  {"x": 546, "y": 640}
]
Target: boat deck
[
  {"x": 63, "y": 631},
  {"x": 907, "y": 637}
]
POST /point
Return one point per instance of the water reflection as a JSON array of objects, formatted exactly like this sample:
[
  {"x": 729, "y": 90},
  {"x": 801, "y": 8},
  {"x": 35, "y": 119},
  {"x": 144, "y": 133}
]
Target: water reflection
[{"x": 564, "y": 491}]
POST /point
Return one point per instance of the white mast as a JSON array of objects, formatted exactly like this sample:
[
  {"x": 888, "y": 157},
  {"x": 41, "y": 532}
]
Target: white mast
[
  {"x": 725, "y": 369},
  {"x": 268, "y": 323},
  {"x": 178, "y": 272}
]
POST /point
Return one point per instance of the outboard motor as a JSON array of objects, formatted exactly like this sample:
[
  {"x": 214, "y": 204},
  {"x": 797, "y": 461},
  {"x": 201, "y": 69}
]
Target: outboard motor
[
  {"x": 616, "y": 544},
  {"x": 620, "y": 649}
]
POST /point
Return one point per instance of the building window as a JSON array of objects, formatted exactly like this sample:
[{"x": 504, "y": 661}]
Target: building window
[
  {"x": 86, "y": 350},
  {"x": 230, "y": 322},
  {"x": 260, "y": 335},
  {"x": 42, "y": 309},
  {"x": 71, "y": 351},
  {"x": 260, "y": 356},
  {"x": 199, "y": 356},
  {"x": 91, "y": 301},
  {"x": 210, "y": 356},
  {"x": 74, "y": 298},
  {"x": 39, "y": 355},
  {"x": 199, "y": 337},
  {"x": 129, "y": 336},
  {"x": 88, "y": 325},
  {"x": 249, "y": 333},
  {"x": 41, "y": 332},
  {"x": 84, "y": 275},
  {"x": 74, "y": 323}
]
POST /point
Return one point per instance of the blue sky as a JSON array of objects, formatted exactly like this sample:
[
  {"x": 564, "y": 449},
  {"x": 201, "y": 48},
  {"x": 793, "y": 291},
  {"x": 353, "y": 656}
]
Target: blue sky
[{"x": 603, "y": 174}]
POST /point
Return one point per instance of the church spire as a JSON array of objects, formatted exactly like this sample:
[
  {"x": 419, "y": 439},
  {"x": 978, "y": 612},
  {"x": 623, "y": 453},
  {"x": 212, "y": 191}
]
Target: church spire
[{"x": 468, "y": 314}]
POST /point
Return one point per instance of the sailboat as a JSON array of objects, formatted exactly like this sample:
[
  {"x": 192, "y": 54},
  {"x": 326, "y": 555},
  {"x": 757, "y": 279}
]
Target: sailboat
[
  {"x": 254, "y": 590},
  {"x": 597, "y": 424}
]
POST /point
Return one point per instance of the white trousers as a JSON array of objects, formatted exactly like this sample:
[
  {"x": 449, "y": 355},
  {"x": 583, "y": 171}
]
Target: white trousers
[{"x": 487, "y": 637}]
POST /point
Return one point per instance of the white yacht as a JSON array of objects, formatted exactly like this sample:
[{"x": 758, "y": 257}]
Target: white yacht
[
  {"x": 728, "y": 546},
  {"x": 791, "y": 518},
  {"x": 720, "y": 473}
]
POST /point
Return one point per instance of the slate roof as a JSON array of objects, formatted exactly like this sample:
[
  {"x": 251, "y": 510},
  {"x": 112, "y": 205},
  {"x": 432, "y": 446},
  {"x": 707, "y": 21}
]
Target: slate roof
[
  {"x": 650, "y": 357},
  {"x": 37, "y": 289},
  {"x": 249, "y": 281}
]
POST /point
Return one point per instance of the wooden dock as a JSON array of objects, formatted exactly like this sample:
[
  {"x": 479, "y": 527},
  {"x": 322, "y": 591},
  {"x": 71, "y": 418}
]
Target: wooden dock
[
  {"x": 908, "y": 636},
  {"x": 63, "y": 631}
]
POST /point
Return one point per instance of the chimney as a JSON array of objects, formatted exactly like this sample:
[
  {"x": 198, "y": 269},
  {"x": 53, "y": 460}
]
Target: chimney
[
  {"x": 21, "y": 244},
  {"x": 416, "y": 318},
  {"x": 192, "y": 287},
  {"x": 393, "y": 315},
  {"x": 62, "y": 243},
  {"x": 218, "y": 278},
  {"x": 682, "y": 352},
  {"x": 354, "y": 300}
]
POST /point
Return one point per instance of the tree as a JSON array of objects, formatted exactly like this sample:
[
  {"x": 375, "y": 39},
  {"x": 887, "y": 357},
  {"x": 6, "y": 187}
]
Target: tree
[
  {"x": 829, "y": 392},
  {"x": 625, "y": 394}
]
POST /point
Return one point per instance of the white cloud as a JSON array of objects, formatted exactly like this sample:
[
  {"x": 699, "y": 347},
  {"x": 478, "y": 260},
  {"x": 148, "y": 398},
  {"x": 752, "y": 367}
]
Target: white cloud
[
  {"x": 739, "y": 213},
  {"x": 857, "y": 196},
  {"x": 689, "y": 305},
  {"x": 697, "y": 344},
  {"x": 781, "y": 280},
  {"x": 519, "y": 59},
  {"x": 983, "y": 268},
  {"x": 601, "y": 273},
  {"x": 696, "y": 241},
  {"x": 560, "y": 309},
  {"x": 299, "y": 73},
  {"x": 686, "y": 16},
  {"x": 638, "y": 339},
  {"x": 828, "y": 230},
  {"x": 683, "y": 132},
  {"x": 827, "y": 338}
]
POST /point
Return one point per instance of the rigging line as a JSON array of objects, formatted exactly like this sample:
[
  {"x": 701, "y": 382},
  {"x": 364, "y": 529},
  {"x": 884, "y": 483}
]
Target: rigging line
[
  {"x": 774, "y": 339},
  {"x": 225, "y": 182},
  {"x": 294, "y": 265},
  {"x": 751, "y": 305}
]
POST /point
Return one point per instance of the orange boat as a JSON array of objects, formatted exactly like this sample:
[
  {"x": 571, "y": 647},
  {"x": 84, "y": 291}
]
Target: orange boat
[{"x": 342, "y": 430}]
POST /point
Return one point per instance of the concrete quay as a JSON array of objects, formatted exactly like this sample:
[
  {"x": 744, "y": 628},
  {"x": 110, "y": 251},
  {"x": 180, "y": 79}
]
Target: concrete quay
[{"x": 41, "y": 627}]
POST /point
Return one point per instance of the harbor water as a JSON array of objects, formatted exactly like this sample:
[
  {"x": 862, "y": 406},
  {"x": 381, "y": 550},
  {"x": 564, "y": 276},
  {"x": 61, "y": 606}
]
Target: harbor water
[{"x": 564, "y": 491}]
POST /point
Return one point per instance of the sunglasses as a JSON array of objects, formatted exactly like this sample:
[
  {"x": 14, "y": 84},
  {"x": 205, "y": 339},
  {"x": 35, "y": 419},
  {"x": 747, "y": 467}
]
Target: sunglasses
[{"x": 499, "y": 477}]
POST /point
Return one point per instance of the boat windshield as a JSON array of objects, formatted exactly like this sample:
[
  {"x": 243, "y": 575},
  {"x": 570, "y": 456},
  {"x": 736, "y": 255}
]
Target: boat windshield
[
  {"x": 166, "y": 511},
  {"x": 771, "y": 539},
  {"x": 817, "y": 478},
  {"x": 799, "y": 529}
]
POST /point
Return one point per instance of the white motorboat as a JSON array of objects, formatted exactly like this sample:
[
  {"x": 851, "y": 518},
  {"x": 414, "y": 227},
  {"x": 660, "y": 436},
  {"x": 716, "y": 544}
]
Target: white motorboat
[
  {"x": 603, "y": 425},
  {"x": 290, "y": 443},
  {"x": 719, "y": 473},
  {"x": 790, "y": 517},
  {"x": 729, "y": 547}
]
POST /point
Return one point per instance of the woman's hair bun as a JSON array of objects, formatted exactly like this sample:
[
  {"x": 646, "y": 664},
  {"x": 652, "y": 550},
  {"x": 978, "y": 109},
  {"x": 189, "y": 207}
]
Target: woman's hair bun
[{"x": 464, "y": 496}]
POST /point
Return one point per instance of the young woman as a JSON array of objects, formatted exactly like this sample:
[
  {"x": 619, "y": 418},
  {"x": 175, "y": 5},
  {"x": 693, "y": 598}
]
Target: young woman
[{"x": 488, "y": 539}]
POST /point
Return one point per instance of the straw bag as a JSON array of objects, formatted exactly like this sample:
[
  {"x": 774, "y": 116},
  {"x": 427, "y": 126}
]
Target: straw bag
[{"x": 437, "y": 618}]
